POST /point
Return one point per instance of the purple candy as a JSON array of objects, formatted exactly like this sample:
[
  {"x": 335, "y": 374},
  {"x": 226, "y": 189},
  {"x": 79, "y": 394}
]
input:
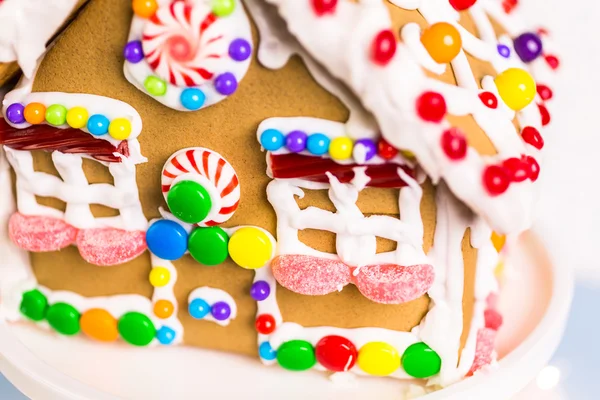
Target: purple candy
[
  {"x": 133, "y": 51},
  {"x": 260, "y": 290},
  {"x": 240, "y": 50},
  {"x": 369, "y": 145},
  {"x": 296, "y": 141},
  {"x": 14, "y": 113},
  {"x": 503, "y": 50},
  {"x": 226, "y": 84},
  {"x": 528, "y": 46},
  {"x": 220, "y": 311}
]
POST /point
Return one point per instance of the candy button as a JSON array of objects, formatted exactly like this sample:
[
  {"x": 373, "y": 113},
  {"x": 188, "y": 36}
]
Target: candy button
[
  {"x": 498, "y": 241},
  {"x": 222, "y": 8},
  {"x": 272, "y": 140},
  {"x": 250, "y": 248},
  {"x": 208, "y": 246},
  {"x": 136, "y": 328},
  {"x": 378, "y": 358},
  {"x": 296, "y": 355},
  {"x": 144, "y": 8},
  {"x": 133, "y": 51},
  {"x": 167, "y": 239},
  {"x": 265, "y": 324},
  {"x": 120, "y": 128},
  {"x": 318, "y": 144},
  {"x": 155, "y": 86},
  {"x": 198, "y": 308},
  {"x": 461, "y": 5},
  {"x": 220, "y": 311},
  {"x": 163, "y": 309},
  {"x": 189, "y": 201},
  {"x": 98, "y": 124},
  {"x": 159, "y": 276},
  {"x": 503, "y": 50},
  {"x": 516, "y": 87},
  {"x": 364, "y": 149},
  {"x": 34, "y": 305},
  {"x": 266, "y": 352},
  {"x": 340, "y": 148},
  {"x": 383, "y": 47},
  {"x": 226, "y": 84},
  {"x": 192, "y": 98},
  {"x": 77, "y": 117},
  {"x": 165, "y": 335},
  {"x": 64, "y": 318},
  {"x": 14, "y": 113},
  {"x": 99, "y": 324},
  {"x": 56, "y": 114},
  {"x": 240, "y": 50},
  {"x": 420, "y": 361},
  {"x": 386, "y": 150},
  {"x": 260, "y": 290},
  {"x": 35, "y": 113},
  {"x": 296, "y": 141},
  {"x": 336, "y": 353},
  {"x": 431, "y": 106},
  {"x": 528, "y": 46},
  {"x": 442, "y": 41}
]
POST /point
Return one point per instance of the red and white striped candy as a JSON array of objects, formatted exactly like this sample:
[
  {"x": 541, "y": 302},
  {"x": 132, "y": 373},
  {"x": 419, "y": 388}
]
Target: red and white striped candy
[
  {"x": 225, "y": 190},
  {"x": 184, "y": 43},
  {"x": 37, "y": 234},
  {"x": 108, "y": 246}
]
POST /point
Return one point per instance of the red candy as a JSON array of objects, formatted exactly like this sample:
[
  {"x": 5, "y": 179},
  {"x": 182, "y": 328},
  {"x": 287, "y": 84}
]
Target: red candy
[
  {"x": 489, "y": 99},
  {"x": 461, "y": 5},
  {"x": 310, "y": 275},
  {"x": 534, "y": 168},
  {"x": 532, "y": 136},
  {"x": 545, "y": 92},
  {"x": 517, "y": 169},
  {"x": 552, "y": 61},
  {"x": 394, "y": 284},
  {"x": 265, "y": 324},
  {"x": 323, "y": 7},
  {"x": 545, "y": 114},
  {"x": 386, "y": 150},
  {"x": 431, "y": 106},
  {"x": 108, "y": 246},
  {"x": 37, "y": 234},
  {"x": 493, "y": 319},
  {"x": 454, "y": 144},
  {"x": 496, "y": 179},
  {"x": 336, "y": 353},
  {"x": 383, "y": 47},
  {"x": 509, "y": 5},
  {"x": 484, "y": 349}
]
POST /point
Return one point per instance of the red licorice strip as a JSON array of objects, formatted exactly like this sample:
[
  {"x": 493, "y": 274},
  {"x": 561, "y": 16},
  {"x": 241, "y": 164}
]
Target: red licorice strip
[{"x": 69, "y": 140}]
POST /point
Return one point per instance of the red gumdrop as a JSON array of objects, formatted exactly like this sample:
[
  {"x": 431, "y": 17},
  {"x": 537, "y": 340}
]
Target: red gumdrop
[
  {"x": 323, "y": 7},
  {"x": 484, "y": 349},
  {"x": 386, "y": 150},
  {"x": 265, "y": 324},
  {"x": 493, "y": 319},
  {"x": 394, "y": 284},
  {"x": 534, "y": 168},
  {"x": 461, "y": 5},
  {"x": 383, "y": 47},
  {"x": 37, "y": 234},
  {"x": 431, "y": 106},
  {"x": 545, "y": 92},
  {"x": 454, "y": 144},
  {"x": 532, "y": 136},
  {"x": 109, "y": 246},
  {"x": 517, "y": 169},
  {"x": 489, "y": 99},
  {"x": 552, "y": 61},
  {"x": 545, "y": 114},
  {"x": 309, "y": 275},
  {"x": 336, "y": 353},
  {"x": 496, "y": 179}
]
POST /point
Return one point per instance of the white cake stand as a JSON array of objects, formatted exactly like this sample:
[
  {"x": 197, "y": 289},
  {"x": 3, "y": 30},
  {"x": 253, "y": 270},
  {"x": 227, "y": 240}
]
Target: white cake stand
[{"x": 44, "y": 365}]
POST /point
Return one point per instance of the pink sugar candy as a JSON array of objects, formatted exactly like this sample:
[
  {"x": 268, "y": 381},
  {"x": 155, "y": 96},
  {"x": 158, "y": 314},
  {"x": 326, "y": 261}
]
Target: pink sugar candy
[
  {"x": 484, "y": 349},
  {"x": 394, "y": 284},
  {"x": 493, "y": 319},
  {"x": 38, "y": 234},
  {"x": 310, "y": 275},
  {"x": 492, "y": 300},
  {"x": 108, "y": 246}
]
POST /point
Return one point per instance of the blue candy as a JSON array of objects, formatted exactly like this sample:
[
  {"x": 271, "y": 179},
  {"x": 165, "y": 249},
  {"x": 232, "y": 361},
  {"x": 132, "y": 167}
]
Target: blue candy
[
  {"x": 98, "y": 124},
  {"x": 318, "y": 144},
  {"x": 266, "y": 352},
  {"x": 272, "y": 140},
  {"x": 165, "y": 335},
  {"x": 198, "y": 308},
  {"x": 192, "y": 98},
  {"x": 167, "y": 239}
]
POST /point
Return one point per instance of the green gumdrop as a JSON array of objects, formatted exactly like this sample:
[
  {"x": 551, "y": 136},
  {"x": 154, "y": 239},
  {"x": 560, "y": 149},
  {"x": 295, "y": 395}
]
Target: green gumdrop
[
  {"x": 222, "y": 8},
  {"x": 189, "y": 201},
  {"x": 64, "y": 318},
  {"x": 155, "y": 86},
  {"x": 56, "y": 115},
  {"x": 296, "y": 355},
  {"x": 208, "y": 246},
  {"x": 420, "y": 361},
  {"x": 136, "y": 328},
  {"x": 34, "y": 305}
]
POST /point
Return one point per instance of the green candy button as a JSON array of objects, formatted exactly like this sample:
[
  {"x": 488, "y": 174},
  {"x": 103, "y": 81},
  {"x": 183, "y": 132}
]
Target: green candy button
[
  {"x": 222, "y": 8},
  {"x": 34, "y": 305},
  {"x": 208, "y": 246},
  {"x": 64, "y": 318},
  {"x": 189, "y": 201},
  {"x": 296, "y": 355},
  {"x": 136, "y": 328},
  {"x": 155, "y": 86},
  {"x": 420, "y": 361},
  {"x": 56, "y": 115}
]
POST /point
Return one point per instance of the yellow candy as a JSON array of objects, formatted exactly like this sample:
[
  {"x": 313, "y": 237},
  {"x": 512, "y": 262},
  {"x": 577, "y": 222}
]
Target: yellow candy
[
  {"x": 250, "y": 248},
  {"x": 498, "y": 241},
  {"x": 159, "y": 276},
  {"x": 516, "y": 87},
  {"x": 340, "y": 148},
  {"x": 408, "y": 154},
  {"x": 77, "y": 117},
  {"x": 119, "y": 128},
  {"x": 378, "y": 358},
  {"x": 499, "y": 271}
]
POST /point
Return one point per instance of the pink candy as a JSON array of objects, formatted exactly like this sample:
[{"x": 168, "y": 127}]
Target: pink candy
[
  {"x": 108, "y": 246},
  {"x": 308, "y": 275},
  {"x": 493, "y": 319},
  {"x": 38, "y": 234},
  {"x": 484, "y": 349}
]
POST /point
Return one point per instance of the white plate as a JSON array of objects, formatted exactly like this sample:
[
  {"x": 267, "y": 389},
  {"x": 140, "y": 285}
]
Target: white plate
[{"x": 44, "y": 365}]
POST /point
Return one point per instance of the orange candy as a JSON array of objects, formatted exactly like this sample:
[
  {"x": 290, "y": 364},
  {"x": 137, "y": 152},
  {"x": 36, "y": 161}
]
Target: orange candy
[
  {"x": 144, "y": 8},
  {"x": 35, "y": 113},
  {"x": 99, "y": 324},
  {"x": 163, "y": 309},
  {"x": 498, "y": 241},
  {"x": 442, "y": 41}
]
